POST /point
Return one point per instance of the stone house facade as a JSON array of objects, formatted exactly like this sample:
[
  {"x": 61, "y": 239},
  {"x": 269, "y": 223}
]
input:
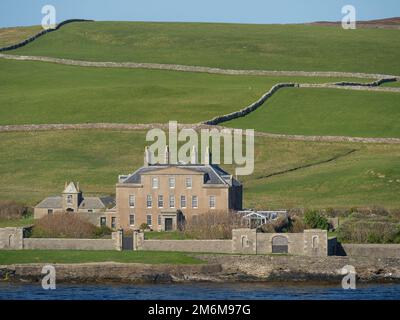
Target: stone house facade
[{"x": 164, "y": 195}]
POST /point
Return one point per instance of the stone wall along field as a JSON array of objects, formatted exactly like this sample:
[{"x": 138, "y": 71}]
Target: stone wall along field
[{"x": 214, "y": 246}]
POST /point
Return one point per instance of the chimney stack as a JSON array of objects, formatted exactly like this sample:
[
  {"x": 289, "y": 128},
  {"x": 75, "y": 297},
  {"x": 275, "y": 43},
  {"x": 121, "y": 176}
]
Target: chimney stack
[
  {"x": 147, "y": 157},
  {"x": 166, "y": 155}
]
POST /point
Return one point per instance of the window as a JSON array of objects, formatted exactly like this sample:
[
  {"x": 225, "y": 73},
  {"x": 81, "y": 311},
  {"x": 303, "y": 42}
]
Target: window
[
  {"x": 183, "y": 201},
  {"x": 132, "y": 219},
  {"x": 194, "y": 202},
  {"x": 113, "y": 222},
  {"x": 149, "y": 201},
  {"x": 159, "y": 219},
  {"x": 69, "y": 199},
  {"x": 154, "y": 182},
  {"x": 211, "y": 202},
  {"x": 149, "y": 222},
  {"x": 171, "y": 182},
  {"x": 160, "y": 201},
  {"x": 172, "y": 201},
  {"x": 189, "y": 182},
  {"x": 90, "y": 210},
  {"x": 132, "y": 200},
  {"x": 50, "y": 211},
  {"x": 103, "y": 221}
]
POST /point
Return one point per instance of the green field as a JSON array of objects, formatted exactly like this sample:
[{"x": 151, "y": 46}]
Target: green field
[
  {"x": 23, "y": 222},
  {"x": 315, "y": 111},
  {"x": 75, "y": 256},
  {"x": 36, "y": 165},
  {"x": 240, "y": 46},
  {"x": 36, "y": 92},
  {"x": 10, "y": 36}
]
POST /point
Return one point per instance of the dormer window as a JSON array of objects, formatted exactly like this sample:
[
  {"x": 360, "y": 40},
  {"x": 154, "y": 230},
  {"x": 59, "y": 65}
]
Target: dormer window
[
  {"x": 69, "y": 199},
  {"x": 154, "y": 182}
]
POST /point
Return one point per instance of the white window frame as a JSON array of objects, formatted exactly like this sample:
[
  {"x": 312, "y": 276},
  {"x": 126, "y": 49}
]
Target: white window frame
[
  {"x": 212, "y": 202},
  {"x": 190, "y": 184},
  {"x": 160, "y": 198},
  {"x": 149, "y": 199},
  {"x": 183, "y": 202},
  {"x": 134, "y": 219},
  {"x": 171, "y": 203},
  {"x": 151, "y": 219},
  {"x": 113, "y": 222},
  {"x": 154, "y": 182},
  {"x": 197, "y": 202},
  {"x": 171, "y": 182},
  {"x": 159, "y": 220},
  {"x": 70, "y": 199},
  {"x": 132, "y": 196}
]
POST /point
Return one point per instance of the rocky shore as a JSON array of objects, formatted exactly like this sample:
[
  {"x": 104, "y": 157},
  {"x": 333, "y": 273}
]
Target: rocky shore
[{"x": 218, "y": 268}]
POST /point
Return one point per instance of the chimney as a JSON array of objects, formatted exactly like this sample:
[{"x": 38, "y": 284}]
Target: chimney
[
  {"x": 166, "y": 155},
  {"x": 193, "y": 155},
  {"x": 147, "y": 157},
  {"x": 207, "y": 157}
]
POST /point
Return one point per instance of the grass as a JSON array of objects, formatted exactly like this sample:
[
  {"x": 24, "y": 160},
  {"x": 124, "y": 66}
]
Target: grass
[
  {"x": 36, "y": 92},
  {"x": 75, "y": 256},
  {"x": 240, "y": 46},
  {"x": 9, "y": 36},
  {"x": 310, "y": 111},
  {"x": 35, "y": 165},
  {"x": 16, "y": 222}
]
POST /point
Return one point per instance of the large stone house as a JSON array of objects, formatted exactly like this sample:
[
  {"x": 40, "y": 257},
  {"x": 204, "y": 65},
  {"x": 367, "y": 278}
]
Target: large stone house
[
  {"x": 98, "y": 210},
  {"x": 162, "y": 196}
]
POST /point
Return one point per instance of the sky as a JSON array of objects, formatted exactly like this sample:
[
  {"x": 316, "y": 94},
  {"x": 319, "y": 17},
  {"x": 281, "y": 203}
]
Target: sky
[{"x": 28, "y": 12}]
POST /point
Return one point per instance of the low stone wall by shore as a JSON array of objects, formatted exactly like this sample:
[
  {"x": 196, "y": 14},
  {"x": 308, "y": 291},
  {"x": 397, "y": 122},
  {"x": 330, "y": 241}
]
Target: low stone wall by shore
[
  {"x": 371, "y": 250},
  {"x": 215, "y": 246},
  {"x": 69, "y": 244}
]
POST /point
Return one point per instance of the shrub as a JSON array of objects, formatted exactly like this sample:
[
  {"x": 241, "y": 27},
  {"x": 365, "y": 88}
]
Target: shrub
[
  {"x": 213, "y": 225},
  {"x": 12, "y": 210},
  {"x": 282, "y": 224},
  {"x": 102, "y": 232},
  {"x": 314, "y": 220},
  {"x": 297, "y": 225},
  {"x": 144, "y": 226},
  {"x": 63, "y": 225}
]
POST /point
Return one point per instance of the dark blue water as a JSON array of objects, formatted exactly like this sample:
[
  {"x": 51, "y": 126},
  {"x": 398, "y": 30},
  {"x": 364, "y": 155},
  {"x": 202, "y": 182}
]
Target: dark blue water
[{"x": 203, "y": 291}]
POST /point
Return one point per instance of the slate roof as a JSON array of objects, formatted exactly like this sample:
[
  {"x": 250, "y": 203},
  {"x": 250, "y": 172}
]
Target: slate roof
[
  {"x": 213, "y": 174},
  {"x": 86, "y": 203},
  {"x": 51, "y": 203}
]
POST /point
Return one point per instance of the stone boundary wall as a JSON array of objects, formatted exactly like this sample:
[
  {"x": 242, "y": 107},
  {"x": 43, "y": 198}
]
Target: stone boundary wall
[
  {"x": 39, "y": 34},
  {"x": 13, "y": 239},
  {"x": 214, "y": 246},
  {"x": 198, "y": 69},
  {"x": 370, "y": 250}
]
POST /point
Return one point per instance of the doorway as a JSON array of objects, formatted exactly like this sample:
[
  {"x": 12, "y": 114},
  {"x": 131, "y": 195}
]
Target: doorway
[{"x": 168, "y": 224}]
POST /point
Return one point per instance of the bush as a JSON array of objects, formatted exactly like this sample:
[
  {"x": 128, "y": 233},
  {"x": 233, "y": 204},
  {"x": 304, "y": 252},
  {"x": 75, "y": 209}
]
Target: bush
[
  {"x": 12, "y": 210},
  {"x": 314, "y": 220},
  {"x": 297, "y": 225},
  {"x": 213, "y": 225},
  {"x": 144, "y": 226},
  {"x": 102, "y": 232},
  {"x": 282, "y": 224},
  {"x": 64, "y": 225}
]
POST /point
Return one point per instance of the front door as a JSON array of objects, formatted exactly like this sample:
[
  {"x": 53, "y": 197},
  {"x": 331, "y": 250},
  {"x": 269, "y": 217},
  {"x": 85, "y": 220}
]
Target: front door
[{"x": 168, "y": 224}]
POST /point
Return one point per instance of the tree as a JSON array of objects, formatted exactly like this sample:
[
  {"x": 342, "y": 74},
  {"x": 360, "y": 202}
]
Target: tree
[{"x": 314, "y": 220}]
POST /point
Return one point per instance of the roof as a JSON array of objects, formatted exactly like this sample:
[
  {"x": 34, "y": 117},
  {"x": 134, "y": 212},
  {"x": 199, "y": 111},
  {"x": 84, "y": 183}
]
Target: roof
[
  {"x": 86, "y": 203},
  {"x": 213, "y": 174},
  {"x": 51, "y": 203},
  {"x": 71, "y": 188}
]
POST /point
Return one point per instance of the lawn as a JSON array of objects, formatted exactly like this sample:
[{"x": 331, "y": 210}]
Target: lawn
[
  {"x": 36, "y": 165},
  {"x": 36, "y": 92},
  {"x": 9, "y": 36},
  {"x": 311, "y": 111},
  {"x": 16, "y": 222},
  {"x": 75, "y": 256},
  {"x": 162, "y": 235},
  {"x": 239, "y": 46}
]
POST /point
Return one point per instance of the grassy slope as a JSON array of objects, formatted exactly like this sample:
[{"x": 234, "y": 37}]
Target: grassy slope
[
  {"x": 74, "y": 256},
  {"x": 327, "y": 112},
  {"x": 35, "y": 165},
  {"x": 35, "y": 92},
  {"x": 9, "y": 36},
  {"x": 280, "y": 47},
  {"x": 16, "y": 222}
]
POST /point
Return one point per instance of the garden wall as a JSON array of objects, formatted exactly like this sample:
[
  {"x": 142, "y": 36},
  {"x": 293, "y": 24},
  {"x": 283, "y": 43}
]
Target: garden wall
[
  {"x": 215, "y": 246},
  {"x": 371, "y": 250},
  {"x": 69, "y": 244}
]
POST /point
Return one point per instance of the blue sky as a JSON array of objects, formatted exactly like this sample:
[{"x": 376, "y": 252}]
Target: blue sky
[{"x": 28, "y": 12}]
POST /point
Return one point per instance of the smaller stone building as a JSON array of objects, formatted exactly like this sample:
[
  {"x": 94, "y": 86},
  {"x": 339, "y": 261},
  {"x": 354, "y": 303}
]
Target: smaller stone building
[{"x": 97, "y": 210}]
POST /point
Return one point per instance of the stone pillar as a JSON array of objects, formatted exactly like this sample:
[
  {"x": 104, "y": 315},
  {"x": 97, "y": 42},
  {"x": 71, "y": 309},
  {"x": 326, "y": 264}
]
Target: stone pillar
[
  {"x": 138, "y": 239},
  {"x": 12, "y": 238},
  {"x": 117, "y": 236},
  {"x": 315, "y": 242}
]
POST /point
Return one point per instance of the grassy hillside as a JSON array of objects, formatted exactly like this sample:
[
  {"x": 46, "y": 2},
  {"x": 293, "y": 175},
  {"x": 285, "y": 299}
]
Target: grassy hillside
[
  {"x": 37, "y": 92},
  {"x": 311, "y": 111},
  {"x": 9, "y": 36},
  {"x": 35, "y": 165},
  {"x": 275, "y": 47}
]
